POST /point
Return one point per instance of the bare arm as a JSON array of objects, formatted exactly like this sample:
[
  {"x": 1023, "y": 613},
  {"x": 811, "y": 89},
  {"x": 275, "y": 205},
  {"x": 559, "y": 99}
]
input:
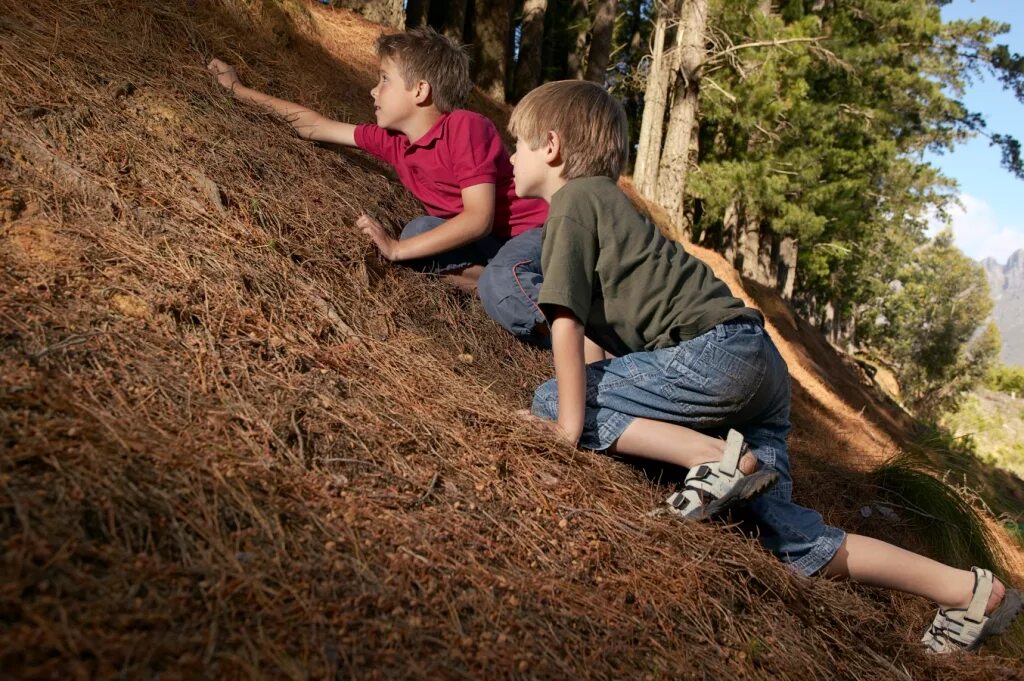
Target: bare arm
[
  {"x": 570, "y": 372},
  {"x": 307, "y": 123},
  {"x": 468, "y": 226}
]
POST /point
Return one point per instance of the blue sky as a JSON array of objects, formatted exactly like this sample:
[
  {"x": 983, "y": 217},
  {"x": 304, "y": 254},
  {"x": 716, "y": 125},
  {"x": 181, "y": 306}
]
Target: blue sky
[{"x": 991, "y": 222}]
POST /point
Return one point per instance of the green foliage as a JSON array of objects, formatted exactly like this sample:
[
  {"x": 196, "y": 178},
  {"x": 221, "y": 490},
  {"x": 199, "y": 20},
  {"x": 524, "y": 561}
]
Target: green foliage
[
  {"x": 814, "y": 118},
  {"x": 926, "y": 322},
  {"x": 1005, "y": 379},
  {"x": 994, "y": 424}
]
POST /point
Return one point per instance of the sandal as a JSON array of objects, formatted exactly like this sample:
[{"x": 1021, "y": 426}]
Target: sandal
[
  {"x": 712, "y": 488},
  {"x": 967, "y": 628}
]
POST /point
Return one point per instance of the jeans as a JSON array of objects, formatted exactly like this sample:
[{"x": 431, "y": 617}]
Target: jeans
[
  {"x": 730, "y": 377},
  {"x": 510, "y": 282}
]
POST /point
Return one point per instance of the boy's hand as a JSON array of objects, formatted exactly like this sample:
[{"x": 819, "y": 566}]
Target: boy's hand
[
  {"x": 552, "y": 427},
  {"x": 385, "y": 243},
  {"x": 225, "y": 73}
]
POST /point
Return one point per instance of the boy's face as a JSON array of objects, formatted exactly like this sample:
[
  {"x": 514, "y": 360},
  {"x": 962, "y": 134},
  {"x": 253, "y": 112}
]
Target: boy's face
[
  {"x": 529, "y": 169},
  {"x": 393, "y": 102}
]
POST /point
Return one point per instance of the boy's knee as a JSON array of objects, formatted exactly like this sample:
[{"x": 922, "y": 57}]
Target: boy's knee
[
  {"x": 504, "y": 301},
  {"x": 492, "y": 288},
  {"x": 420, "y": 225}
]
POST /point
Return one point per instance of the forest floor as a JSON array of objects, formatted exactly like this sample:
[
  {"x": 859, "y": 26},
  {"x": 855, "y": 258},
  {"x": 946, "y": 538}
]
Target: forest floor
[{"x": 235, "y": 444}]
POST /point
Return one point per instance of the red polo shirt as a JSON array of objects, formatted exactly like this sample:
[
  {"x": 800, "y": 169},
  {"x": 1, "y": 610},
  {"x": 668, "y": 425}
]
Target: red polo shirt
[{"x": 461, "y": 150}]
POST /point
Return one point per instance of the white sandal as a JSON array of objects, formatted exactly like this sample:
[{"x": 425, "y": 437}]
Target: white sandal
[
  {"x": 967, "y": 628},
  {"x": 712, "y": 488}
]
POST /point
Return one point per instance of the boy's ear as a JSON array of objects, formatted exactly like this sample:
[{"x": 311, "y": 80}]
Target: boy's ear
[
  {"x": 553, "y": 148},
  {"x": 422, "y": 92}
]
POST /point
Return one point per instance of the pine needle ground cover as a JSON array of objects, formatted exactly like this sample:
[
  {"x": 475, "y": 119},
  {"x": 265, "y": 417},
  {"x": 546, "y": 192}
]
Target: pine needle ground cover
[{"x": 236, "y": 445}]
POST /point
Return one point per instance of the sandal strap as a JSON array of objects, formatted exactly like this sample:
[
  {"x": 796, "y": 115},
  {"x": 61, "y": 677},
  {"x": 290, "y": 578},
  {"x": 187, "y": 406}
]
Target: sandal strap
[
  {"x": 982, "y": 592},
  {"x": 734, "y": 448},
  {"x": 699, "y": 481},
  {"x": 960, "y": 628},
  {"x": 711, "y": 480}
]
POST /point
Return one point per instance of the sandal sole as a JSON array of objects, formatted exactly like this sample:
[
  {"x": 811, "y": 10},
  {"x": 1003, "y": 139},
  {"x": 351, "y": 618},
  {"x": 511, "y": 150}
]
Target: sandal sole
[
  {"x": 1000, "y": 620},
  {"x": 747, "y": 488}
]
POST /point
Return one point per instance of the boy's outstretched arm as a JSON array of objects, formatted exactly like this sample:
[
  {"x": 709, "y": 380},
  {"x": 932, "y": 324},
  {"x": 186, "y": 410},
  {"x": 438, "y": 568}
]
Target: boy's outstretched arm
[
  {"x": 468, "y": 226},
  {"x": 570, "y": 372},
  {"x": 307, "y": 123}
]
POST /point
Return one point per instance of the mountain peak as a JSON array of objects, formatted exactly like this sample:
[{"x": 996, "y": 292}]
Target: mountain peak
[
  {"x": 1015, "y": 263},
  {"x": 1007, "y": 285}
]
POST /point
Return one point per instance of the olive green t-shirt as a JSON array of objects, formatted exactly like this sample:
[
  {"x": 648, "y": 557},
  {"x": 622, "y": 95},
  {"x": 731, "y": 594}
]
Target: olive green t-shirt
[{"x": 632, "y": 289}]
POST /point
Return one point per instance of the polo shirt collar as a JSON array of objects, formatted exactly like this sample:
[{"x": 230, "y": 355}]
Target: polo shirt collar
[{"x": 434, "y": 133}]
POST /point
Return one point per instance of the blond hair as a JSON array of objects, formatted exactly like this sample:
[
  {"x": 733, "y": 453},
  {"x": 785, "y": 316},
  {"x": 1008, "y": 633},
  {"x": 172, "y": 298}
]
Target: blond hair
[
  {"x": 590, "y": 125},
  {"x": 424, "y": 54}
]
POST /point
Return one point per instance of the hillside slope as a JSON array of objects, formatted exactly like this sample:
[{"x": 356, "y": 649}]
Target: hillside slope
[{"x": 237, "y": 445}]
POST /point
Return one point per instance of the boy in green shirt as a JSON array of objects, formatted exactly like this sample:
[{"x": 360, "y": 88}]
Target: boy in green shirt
[{"x": 690, "y": 361}]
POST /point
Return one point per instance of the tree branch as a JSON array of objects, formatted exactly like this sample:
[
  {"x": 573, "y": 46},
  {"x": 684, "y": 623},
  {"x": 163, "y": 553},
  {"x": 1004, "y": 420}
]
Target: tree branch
[{"x": 763, "y": 43}]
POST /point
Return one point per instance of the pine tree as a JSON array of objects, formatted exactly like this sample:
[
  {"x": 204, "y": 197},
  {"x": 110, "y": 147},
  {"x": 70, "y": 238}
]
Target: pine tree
[
  {"x": 528, "y": 67},
  {"x": 601, "y": 40},
  {"x": 491, "y": 24}
]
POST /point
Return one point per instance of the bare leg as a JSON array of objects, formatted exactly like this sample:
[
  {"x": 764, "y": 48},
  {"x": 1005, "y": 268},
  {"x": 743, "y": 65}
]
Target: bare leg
[
  {"x": 668, "y": 442},
  {"x": 465, "y": 278},
  {"x": 876, "y": 563},
  {"x": 861, "y": 559}
]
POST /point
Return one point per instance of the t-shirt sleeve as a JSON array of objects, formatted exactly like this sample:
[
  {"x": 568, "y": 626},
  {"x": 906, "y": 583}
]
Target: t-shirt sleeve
[
  {"x": 476, "y": 150},
  {"x": 569, "y": 263},
  {"x": 377, "y": 141}
]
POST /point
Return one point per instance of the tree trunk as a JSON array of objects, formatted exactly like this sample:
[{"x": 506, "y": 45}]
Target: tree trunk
[
  {"x": 601, "y": 40},
  {"x": 788, "y": 252},
  {"x": 387, "y": 12},
  {"x": 530, "y": 43},
  {"x": 416, "y": 13},
  {"x": 652, "y": 123},
  {"x": 579, "y": 25},
  {"x": 750, "y": 253},
  {"x": 730, "y": 246},
  {"x": 452, "y": 21},
  {"x": 492, "y": 22},
  {"x": 680, "y": 139}
]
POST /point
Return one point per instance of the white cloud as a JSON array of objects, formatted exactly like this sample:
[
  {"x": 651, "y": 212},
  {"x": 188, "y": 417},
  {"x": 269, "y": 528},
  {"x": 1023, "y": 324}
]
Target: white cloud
[{"x": 979, "y": 232}]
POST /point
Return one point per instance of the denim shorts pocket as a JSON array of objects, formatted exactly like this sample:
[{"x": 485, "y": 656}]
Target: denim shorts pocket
[
  {"x": 690, "y": 364},
  {"x": 736, "y": 370}
]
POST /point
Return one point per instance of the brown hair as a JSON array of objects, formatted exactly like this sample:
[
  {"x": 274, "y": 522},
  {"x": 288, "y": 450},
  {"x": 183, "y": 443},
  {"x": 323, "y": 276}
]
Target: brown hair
[
  {"x": 590, "y": 124},
  {"x": 425, "y": 54}
]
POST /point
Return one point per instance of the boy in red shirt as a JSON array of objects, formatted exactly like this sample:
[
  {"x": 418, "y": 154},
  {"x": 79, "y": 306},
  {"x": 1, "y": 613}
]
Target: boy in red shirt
[{"x": 477, "y": 232}]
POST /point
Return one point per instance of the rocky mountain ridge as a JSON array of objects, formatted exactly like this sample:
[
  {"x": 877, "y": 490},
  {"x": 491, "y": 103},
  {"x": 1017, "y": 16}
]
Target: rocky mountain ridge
[{"x": 1007, "y": 284}]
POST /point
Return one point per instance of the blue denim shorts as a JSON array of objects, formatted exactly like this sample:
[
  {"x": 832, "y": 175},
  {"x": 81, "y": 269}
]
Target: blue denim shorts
[
  {"x": 730, "y": 377},
  {"x": 510, "y": 282}
]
